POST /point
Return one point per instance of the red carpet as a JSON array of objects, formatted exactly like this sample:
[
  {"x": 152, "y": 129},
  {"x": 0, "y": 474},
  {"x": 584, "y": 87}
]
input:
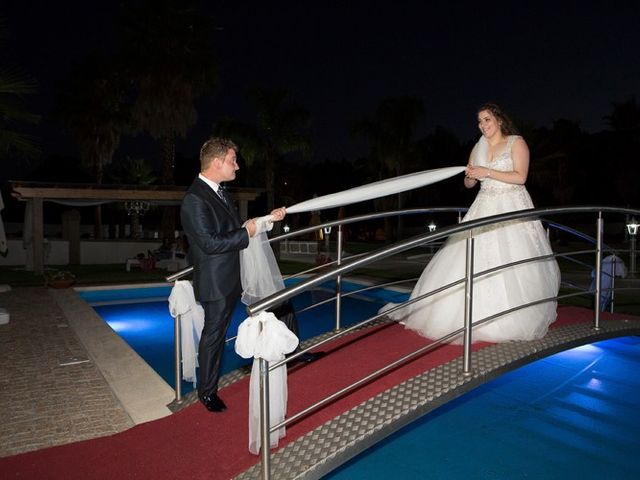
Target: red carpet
[{"x": 197, "y": 444}]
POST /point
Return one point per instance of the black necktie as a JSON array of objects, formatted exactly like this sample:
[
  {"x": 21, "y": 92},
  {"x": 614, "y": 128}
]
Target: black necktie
[{"x": 220, "y": 193}]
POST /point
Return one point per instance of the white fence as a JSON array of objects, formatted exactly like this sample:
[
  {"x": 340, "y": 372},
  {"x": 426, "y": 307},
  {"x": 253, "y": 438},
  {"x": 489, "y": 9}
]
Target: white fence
[{"x": 92, "y": 252}]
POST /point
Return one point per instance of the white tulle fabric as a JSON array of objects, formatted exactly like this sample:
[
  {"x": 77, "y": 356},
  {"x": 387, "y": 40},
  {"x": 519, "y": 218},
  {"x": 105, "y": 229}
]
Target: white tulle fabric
[
  {"x": 259, "y": 272},
  {"x": 182, "y": 301},
  {"x": 494, "y": 245},
  {"x": 264, "y": 336}
]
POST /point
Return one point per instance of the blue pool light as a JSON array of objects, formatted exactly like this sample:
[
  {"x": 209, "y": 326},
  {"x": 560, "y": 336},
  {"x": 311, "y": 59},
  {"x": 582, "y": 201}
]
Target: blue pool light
[{"x": 141, "y": 317}]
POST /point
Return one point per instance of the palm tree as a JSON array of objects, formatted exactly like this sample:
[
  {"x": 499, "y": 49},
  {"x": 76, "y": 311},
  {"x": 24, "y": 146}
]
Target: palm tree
[
  {"x": 391, "y": 140},
  {"x": 92, "y": 106},
  {"x": 280, "y": 129},
  {"x": 13, "y": 86},
  {"x": 165, "y": 46},
  {"x": 167, "y": 52}
]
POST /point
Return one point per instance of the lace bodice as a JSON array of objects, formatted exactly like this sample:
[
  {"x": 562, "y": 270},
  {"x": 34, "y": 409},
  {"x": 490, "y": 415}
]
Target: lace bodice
[{"x": 502, "y": 162}]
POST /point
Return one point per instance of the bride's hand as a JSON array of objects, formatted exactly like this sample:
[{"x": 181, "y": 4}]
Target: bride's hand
[{"x": 478, "y": 173}]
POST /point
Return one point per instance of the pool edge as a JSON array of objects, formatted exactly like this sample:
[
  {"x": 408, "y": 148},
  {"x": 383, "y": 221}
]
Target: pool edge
[{"x": 143, "y": 394}]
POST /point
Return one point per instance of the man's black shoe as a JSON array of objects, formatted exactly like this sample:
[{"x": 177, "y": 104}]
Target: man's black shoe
[
  {"x": 309, "y": 357},
  {"x": 213, "y": 403}
]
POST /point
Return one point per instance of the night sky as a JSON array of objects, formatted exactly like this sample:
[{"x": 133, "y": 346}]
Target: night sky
[{"x": 541, "y": 60}]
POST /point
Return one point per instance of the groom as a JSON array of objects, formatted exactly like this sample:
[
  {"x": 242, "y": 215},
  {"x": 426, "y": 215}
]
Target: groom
[{"x": 216, "y": 236}]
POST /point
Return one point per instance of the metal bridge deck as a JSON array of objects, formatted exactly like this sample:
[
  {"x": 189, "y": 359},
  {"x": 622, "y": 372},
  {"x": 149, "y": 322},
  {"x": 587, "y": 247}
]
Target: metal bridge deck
[{"x": 325, "y": 448}]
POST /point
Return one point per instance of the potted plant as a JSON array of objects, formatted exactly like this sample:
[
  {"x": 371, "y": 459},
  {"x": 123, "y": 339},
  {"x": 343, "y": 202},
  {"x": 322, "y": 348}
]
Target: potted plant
[{"x": 59, "y": 278}]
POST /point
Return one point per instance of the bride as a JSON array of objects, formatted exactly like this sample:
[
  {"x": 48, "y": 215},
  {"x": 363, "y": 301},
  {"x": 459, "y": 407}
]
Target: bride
[{"x": 500, "y": 162}]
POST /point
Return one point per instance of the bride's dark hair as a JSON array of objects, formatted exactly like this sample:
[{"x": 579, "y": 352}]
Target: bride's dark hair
[{"x": 506, "y": 125}]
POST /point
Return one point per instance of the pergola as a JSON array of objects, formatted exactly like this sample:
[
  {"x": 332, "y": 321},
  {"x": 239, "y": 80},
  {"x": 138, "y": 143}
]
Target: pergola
[{"x": 91, "y": 194}]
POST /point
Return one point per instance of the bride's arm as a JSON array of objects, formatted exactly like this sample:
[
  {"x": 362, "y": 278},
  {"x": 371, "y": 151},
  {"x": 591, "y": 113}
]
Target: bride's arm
[{"x": 520, "y": 157}]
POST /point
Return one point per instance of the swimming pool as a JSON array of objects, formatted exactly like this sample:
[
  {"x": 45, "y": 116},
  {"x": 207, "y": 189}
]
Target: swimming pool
[
  {"x": 140, "y": 315},
  {"x": 571, "y": 415}
]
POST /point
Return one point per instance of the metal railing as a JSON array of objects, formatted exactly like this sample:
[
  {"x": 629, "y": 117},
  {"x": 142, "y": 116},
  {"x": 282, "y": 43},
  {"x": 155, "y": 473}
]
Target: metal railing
[
  {"x": 340, "y": 267},
  {"x": 353, "y": 264}
]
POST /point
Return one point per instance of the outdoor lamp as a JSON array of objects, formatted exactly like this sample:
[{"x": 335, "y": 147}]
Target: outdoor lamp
[
  {"x": 286, "y": 229},
  {"x": 432, "y": 226},
  {"x": 327, "y": 231},
  {"x": 632, "y": 228}
]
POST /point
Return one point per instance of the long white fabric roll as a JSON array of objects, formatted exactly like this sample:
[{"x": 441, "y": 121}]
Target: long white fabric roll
[{"x": 378, "y": 189}]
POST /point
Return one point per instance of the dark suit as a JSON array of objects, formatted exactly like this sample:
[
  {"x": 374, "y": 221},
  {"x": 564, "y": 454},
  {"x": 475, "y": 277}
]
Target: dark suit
[{"x": 216, "y": 236}]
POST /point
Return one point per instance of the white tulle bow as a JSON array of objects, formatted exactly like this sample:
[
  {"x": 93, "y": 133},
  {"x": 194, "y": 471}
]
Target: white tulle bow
[
  {"x": 264, "y": 336},
  {"x": 182, "y": 301}
]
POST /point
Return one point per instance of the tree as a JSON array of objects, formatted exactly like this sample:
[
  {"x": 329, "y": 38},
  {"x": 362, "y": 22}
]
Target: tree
[
  {"x": 392, "y": 148},
  {"x": 625, "y": 117},
  {"x": 279, "y": 130},
  {"x": 13, "y": 114},
  {"x": 624, "y": 143},
  {"x": 168, "y": 56},
  {"x": 555, "y": 162},
  {"x": 92, "y": 105}
]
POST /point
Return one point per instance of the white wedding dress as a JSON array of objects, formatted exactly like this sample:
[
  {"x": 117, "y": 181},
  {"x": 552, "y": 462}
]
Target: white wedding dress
[{"x": 494, "y": 245}]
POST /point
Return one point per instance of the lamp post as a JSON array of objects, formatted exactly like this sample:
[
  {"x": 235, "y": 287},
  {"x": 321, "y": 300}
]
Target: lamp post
[
  {"x": 286, "y": 229},
  {"x": 432, "y": 228},
  {"x": 327, "y": 232},
  {"x": 632, "y": 228}
]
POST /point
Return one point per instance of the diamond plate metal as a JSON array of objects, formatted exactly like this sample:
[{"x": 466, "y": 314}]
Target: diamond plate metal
[{"x": 330, "y": 445}]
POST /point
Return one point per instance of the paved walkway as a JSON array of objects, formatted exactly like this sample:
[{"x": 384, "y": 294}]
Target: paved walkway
[{"x": 51, "y": 392}]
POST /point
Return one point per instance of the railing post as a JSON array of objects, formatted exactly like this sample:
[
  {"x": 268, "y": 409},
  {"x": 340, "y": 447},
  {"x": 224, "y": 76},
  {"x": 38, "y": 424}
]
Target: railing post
[
  {"x": 177, "y": 348},
  {"x": 632, "y": 255},
  {"x": 612, "y": 292},
  {"x": 468, "y": 306},
  {"x": 596, "y": 303},
  {"x": 264, "y": 419},
  {"x": 339, "y": 281}
]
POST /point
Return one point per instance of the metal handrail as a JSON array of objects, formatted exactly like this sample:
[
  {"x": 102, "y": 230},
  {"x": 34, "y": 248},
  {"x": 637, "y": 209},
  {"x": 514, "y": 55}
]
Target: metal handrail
[
  {"x": 421, "y": 240},
  {"x": 337, "y": 271},
  {"x": 352, "y": 263},
  {"x": 402, "y": 246}
]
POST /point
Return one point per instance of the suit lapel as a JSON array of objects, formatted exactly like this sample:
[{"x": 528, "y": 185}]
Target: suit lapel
[{"x": 228, "y": 205}]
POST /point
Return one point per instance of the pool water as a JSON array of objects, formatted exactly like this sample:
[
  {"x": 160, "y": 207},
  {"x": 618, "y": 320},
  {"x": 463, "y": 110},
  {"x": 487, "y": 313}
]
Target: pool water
[
  {"x": 141, "y": 317},
  {"x": 575, "y": 414}
]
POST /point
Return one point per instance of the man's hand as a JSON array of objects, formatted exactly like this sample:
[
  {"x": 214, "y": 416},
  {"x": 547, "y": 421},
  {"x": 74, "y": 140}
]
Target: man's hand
[
  {"x": 250, "y": 225},
  {"x": 278, "y": 214}
]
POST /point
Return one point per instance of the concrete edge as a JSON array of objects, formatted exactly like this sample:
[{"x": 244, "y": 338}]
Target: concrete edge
[{"x": 144, "y": 395}]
